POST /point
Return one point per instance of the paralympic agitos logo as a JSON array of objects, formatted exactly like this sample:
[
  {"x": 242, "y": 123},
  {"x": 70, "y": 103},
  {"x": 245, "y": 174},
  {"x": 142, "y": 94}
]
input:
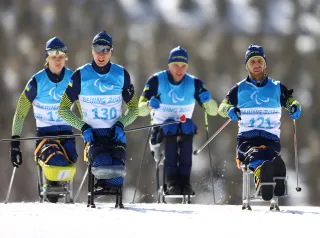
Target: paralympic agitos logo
[
  {"x": 56, "y": 96},
  {"x": 173, "y": 95},
  {"x": 103, "y": 88},
  {"x": 259, "y": 99}
]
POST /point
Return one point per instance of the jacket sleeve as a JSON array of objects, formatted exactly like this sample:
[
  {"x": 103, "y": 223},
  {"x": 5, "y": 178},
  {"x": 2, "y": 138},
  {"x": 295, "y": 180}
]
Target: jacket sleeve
[
  {"x": 69, "y": 97},
  {"x": 130, "y": 97},
  {"x": 20, "y": 115},
  {"x": 286, "y": 98},
  {"x": 24, "y": 104},
  {"x": 210, "y": 107},
  {"x": 230, "y": 101},
  {"x": 150, "y": 90}
]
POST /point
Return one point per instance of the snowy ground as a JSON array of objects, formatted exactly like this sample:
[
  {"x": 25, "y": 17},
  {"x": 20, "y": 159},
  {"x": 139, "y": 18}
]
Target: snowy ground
[{"x": 154, "y": 220}]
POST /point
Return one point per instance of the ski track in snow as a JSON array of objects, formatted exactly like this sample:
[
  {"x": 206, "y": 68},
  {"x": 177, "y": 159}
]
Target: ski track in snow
[{"x": 47, "y": 220}]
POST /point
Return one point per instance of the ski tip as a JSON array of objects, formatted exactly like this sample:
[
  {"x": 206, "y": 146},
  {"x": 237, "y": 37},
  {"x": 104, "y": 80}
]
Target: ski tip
[{"x": 183, "y": 118}]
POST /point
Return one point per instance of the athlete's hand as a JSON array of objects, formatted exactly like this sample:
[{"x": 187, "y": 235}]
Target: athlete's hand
[
  {"x": 87, "y": 133},
  {"x": 234, "y": 114},
  {"x": 295, "y": 112},
  {"x": 117, "y": 133},
  {"x": 15, "y": 152},
  {"x": 154, "y": 102}
]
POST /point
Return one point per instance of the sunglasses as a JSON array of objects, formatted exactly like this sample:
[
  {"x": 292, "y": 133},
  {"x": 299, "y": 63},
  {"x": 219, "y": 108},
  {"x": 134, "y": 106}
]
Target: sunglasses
[{"x": 101, "y": 48}]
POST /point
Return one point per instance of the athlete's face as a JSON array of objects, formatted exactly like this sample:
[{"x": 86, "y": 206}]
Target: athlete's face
[
  {"x": 101, "y": 58},
  {"x": 256, "y": 67},
  {"x": 178, "y": 70},
  {"x": 56, "y": 63}
]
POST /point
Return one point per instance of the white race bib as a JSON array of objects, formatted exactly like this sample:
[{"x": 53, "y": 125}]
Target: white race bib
[
  {"x": 166, "y": 111},
  {"x": 46, "y": 114},
  {"x": 267, "y": 119},
  {"x": 101, "y": 111}
]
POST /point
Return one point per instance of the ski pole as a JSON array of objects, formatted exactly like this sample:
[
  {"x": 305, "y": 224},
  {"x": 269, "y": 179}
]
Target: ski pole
[
  {"x": 10, "y": 185},
  {"x": 210, "y": 160},
  {"x": 212, "y": 137},
  {"x": 181, "y": 119},
  {"x": 296, "y": 154},
  {"x": 139, "y": 173},
  {"x": 81, "y": 184},
  {"x": 158, "y": 180}
]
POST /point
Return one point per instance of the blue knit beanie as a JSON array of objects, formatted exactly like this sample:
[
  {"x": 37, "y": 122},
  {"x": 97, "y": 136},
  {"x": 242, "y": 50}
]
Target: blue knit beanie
[
  {"x": 55, "y": 44},
  {"x": 254, "y": 50},
  {"x": 178, "y": 55},
  {"x": 102, "y": 38}
]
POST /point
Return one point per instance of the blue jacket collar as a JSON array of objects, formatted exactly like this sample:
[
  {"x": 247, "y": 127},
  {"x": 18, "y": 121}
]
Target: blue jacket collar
[
  {"x": 101, "y": 70},
  {"x": 54, "y": 77},
  {"x": 261, "y": 83}
]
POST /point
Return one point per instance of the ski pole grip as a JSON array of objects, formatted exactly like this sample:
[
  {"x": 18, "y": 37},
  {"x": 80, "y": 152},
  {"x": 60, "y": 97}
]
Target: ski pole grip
[
  {"x": 293, "y": 109},
  {"x": 183, "y": 118},
  {"x": 238, "y": 113}
]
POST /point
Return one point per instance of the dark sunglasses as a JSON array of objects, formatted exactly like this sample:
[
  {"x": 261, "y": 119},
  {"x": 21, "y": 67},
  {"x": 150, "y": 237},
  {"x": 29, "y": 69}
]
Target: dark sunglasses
[{"x": 102, "y": 48}]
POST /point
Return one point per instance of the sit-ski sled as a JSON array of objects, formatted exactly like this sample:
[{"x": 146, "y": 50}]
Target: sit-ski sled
[
  {"x": 162, "y": 189},
  {"x": 55, "y": 182},
  {"x": 249, "y": 196},
  {"x": 94, "y": 190}
]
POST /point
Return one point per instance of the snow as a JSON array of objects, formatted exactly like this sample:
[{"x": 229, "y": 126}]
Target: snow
[{"x": 154, "y": 220}]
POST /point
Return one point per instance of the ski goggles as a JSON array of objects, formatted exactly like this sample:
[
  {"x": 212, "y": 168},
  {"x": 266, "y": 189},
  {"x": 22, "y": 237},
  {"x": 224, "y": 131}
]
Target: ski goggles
[
  {"x": 57, "y": 51},
  {"x": 102, "y": 48}
]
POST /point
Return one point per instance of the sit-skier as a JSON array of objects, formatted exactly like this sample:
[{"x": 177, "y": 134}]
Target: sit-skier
[
  {"x": 168, "y": 95},
  {"x": 255, "y": 102}
]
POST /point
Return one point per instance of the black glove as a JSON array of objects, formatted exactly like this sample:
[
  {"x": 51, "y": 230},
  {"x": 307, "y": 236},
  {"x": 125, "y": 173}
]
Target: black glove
[{"x": 15, "y": 152}]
